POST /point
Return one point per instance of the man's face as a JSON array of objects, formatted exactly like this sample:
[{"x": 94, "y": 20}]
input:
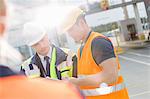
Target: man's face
[
  {"x": 76, "y": 32},
  {"x": 43, "y": 46}
]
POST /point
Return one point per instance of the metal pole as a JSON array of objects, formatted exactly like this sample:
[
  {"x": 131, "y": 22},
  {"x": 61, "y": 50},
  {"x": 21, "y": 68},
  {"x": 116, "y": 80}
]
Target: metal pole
[
  {"x": 87, "y": 1},
  {"x": 125, "y": 11},
  {"x": 138, "y": 19},
  {"x": 147, "y": 7},
  {"x": 116, "y": 36}
]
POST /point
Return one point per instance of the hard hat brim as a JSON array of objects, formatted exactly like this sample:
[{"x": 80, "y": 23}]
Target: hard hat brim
[
  {"x": 71, "y": 19},
  {"x": 37, "y": 40}
]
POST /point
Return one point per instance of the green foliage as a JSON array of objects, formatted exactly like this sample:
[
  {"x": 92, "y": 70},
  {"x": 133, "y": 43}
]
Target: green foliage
[{"x": 105, "y": 28}]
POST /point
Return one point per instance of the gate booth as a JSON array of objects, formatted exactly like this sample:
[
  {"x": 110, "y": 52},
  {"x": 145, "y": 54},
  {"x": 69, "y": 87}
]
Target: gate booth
[
  {"x": 132, "y": 34},
  {"x": 128, "y": 29}
]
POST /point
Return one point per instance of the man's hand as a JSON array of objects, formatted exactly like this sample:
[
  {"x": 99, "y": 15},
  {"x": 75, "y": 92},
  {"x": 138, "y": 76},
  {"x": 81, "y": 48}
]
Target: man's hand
[
  {"x": 108, "y": 75},
  {"x": 72, "y": 80},
  {"x": 69, "y": 58}
]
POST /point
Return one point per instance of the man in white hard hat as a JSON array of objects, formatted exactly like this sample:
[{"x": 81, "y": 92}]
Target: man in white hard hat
[
  {"x": 45, "y": 63},
  {"x": 98, "y": 65},
  {"x": 16, "y": 86}
]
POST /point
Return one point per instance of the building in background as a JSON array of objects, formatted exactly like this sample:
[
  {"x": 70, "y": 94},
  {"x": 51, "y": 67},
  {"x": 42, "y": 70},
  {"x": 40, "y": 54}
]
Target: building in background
[
  {"x": 147, "y": 6},
  {"x": 26, "y": 10}
]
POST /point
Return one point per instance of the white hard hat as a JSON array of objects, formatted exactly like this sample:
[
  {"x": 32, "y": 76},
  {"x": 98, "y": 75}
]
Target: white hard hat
[
  {"x": 71, "y": 19},
  {"x": 33, "y": 33}
]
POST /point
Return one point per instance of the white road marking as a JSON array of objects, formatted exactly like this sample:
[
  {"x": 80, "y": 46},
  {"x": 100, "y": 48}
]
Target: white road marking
[
  {"x": 137, "y": 54},
  {"x": 134, "y": 60},
  {"x": 146, "y": 92}
]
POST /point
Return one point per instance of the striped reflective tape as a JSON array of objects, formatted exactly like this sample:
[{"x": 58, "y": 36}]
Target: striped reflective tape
[{"x": 103, "y": 90}]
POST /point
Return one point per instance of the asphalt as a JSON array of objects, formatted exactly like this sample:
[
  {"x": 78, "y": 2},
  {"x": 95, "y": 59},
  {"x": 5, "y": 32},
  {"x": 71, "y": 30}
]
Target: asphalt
[{"x": 135, "y": 68}]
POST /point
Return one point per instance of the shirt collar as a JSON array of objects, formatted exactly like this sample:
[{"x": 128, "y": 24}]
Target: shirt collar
[{"x": 49, "y": 54}]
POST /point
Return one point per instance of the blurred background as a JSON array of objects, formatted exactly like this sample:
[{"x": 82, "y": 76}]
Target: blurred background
[{"x": 125, "y": 22}]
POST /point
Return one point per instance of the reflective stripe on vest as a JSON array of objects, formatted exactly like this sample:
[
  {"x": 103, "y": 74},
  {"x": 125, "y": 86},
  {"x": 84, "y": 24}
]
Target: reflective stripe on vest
[
  {"x": 103, "y": 90},
  {"x": 30, "y": 73},
  {"x": 53, "y": 73},
  {"x": 66, "y": 71},
  {"x": 34, "y": 75}
]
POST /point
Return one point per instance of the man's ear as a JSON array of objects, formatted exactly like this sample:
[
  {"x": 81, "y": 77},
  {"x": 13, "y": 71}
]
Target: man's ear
[{"x": 81, "y": 22}]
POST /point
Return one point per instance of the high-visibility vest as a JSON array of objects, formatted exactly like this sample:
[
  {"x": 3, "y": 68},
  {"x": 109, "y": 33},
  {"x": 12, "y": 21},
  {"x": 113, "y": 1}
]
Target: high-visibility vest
[
  {"x": 87, "y": 66},
  {"x": 30, "y": 73},
  {"x": 19, "y": 87},
  {"x": 65, "y": 72}
]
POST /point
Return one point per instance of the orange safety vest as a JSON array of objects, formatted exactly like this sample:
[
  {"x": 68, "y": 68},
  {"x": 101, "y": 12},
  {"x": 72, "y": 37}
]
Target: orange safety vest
[
  {"x": 87, "y": 66},
  {"x": 19, "y": 87}
]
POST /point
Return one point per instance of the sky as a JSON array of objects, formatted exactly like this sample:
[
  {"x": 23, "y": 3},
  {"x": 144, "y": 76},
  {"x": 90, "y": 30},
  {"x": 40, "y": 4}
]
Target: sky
[
  {"x": 22, "y": 13},
  {"x": 114, "y": 15}
]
